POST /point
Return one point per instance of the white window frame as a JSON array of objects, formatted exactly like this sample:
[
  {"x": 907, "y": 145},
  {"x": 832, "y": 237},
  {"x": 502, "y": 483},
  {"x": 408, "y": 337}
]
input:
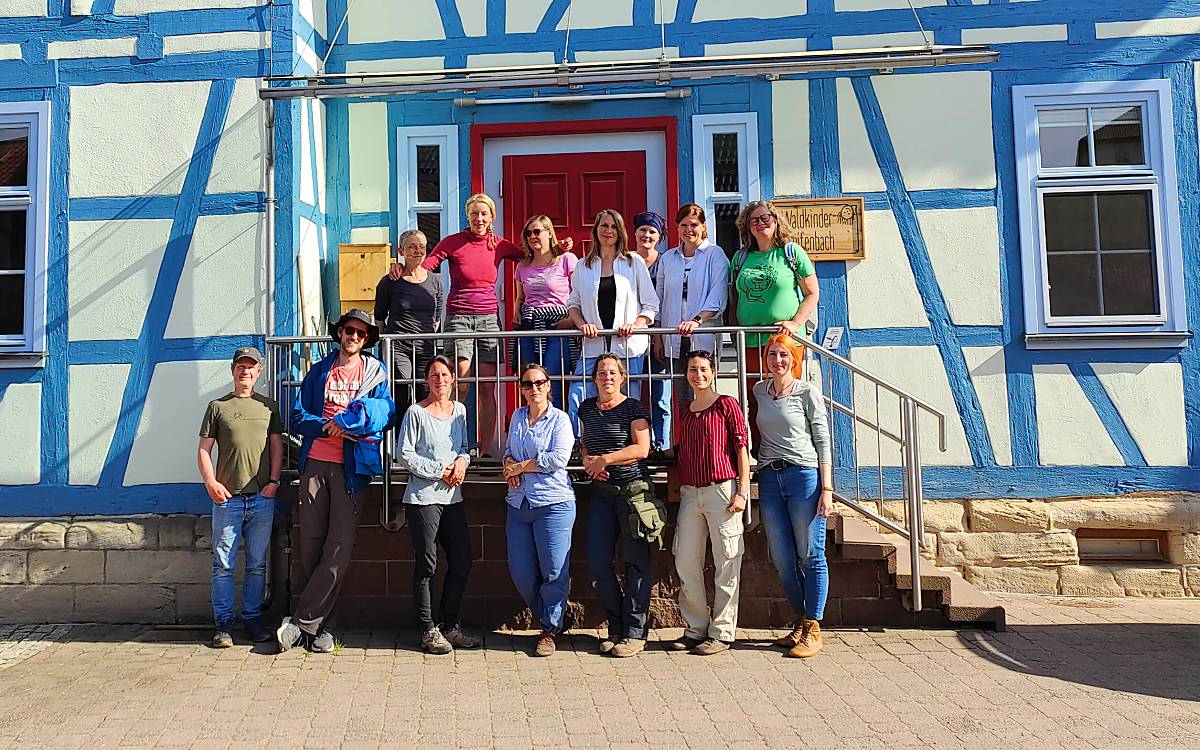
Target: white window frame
[
  {"x": 405, "y": 176},
  {"x": 1157, "y": 176},
  {"x": 18, "y": 350},
  {"x": 704, "y": 127}
]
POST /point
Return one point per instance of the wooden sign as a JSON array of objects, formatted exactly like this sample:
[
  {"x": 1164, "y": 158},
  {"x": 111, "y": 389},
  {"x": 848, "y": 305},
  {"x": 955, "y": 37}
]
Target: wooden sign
[{"x": 827, "y": 228}]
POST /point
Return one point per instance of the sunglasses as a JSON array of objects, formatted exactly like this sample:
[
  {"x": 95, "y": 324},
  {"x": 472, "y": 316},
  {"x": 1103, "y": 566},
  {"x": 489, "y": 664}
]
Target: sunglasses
[
  {"x": 531, "y": 384},
  {"x": 360, "y": 333},
  {"x": 534, "y": 232},
  {"x": 763, "y": 220}
]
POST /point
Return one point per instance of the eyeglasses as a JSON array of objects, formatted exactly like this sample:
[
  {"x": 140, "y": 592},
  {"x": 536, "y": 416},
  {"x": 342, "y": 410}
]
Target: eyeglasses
[
  {"x": 533, "y": 232},
  {"x": 355, "y": 332},
  {"x": 762, "y": 220},
  {"x": 531, "y": 384}
]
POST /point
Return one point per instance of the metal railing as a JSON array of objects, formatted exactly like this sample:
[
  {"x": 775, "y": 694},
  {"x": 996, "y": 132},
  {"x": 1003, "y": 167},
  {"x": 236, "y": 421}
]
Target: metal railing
[{"x": 875, "y": 426}]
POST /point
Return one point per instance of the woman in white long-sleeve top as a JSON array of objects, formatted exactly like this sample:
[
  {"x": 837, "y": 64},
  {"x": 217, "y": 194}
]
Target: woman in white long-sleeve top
[
  {"x": 434, "y": 449},
  {"x": 610, "y": 289}
]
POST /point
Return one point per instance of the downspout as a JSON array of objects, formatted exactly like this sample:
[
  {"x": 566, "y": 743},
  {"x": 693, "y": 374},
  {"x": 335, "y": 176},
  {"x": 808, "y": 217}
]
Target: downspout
[{"x": 270, "y": 178}]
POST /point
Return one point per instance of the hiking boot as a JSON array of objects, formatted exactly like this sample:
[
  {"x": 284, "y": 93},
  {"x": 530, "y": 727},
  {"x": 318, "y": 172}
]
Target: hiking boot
[
  {"x": 685, "y": 643},
  {"x": 222, "y": 638},
  {"x": 606, "y": 646},
  {"x": 629, "y": 647},
  {"x": 433, "y": 642},
  {"x": 257, "y": 632},
  {"x": 810, "y": 641},
  {"x": 545, "y": 645},
  {"x": 459, "y": 638},
  {"x": 322, "y": 643},
  {"x": 792, "y": 638},
  {"x": 288, "y": 635},
  {"x": 711, "y": 646}
]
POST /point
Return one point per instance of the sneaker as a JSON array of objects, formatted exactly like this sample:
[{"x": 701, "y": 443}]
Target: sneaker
[
  {"x": 258, "y": 632},
  {"x": 629, "y": 647},
  {"x": 322, "y": 643},
  {"x": 288, "y": 635},
  {"x": 711, "y": 646},
  {"x": 809, "y": 643},
  {"x": 433, "y": 642},
  {"x": 685, "y": 643},
  {"x": 792, "y": 638},
  {"x": 606, "y": 646},
  {"x": 545, "y": 645},
  {"x": 222, "y": 638},
  {"x": 459, "y": 638}
]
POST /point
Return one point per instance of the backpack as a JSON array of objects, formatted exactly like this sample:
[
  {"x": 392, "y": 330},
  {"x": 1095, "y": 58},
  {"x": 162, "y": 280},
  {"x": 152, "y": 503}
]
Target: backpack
[{"x": 735, "y": 269}]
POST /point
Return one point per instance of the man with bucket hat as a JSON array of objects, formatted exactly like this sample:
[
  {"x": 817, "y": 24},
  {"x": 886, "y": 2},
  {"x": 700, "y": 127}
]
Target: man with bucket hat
[
  {"x": 343, "y": 407},
  {"x": 244, "y": 426}
]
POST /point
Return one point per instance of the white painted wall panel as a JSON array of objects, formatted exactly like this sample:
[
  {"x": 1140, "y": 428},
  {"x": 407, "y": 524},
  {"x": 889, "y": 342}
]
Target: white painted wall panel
[
  {"x": 918, "y": 370},
  {"x": 1069, "y": 432},
  {"x": 523, "y": 16},
  {"x": 368, "y": 235},
  {"x": 964, "y": 247},
  {"x": 314, "y": 11},
  {"x": 164, "y": 449},
  {"x": 1149, "y": 398},
  {"x": 152, "y": 125},
  {"x": 946, "y": 140},
  {"x": 219, "y": 42},
  {"x": 93, "y": 403},
  {"x": 10, "y": 52},
  {"x": 766, "y": 46},
  {"x": 860, "y": 171},
  {"x": 874, "y": 41},
  {"x": 312, "y": 161},
  {"x": 81, "y": 7},
  {"x": 222, "y": 290},
  {"x": 122, "y": 47},
  {"x": 21, "y": 426},
  {"x": 624, "y": 54},
  {"x": 599, "y": 15},
  {"x": 473, "y": 14},
  {"x": 370, "y": 174},
  {"x": 114, "y": 265},
  {"x": 719, "y": 10},
  {"x": 881, "y": 290},
  {"x": 860, "y": 5},
  {"x": 308, "y": 263},
  {"x": 136, "y": 7},
  {"x": 502, "y": 59},
  {"x": 379, "y": 21},
  {"x": 1015, "y": 34},
  {"x": 23, "y": 8},
  {"x": 790, "y": 135},
  {"x": 1150, "y": 27},
  {"x": 238, "y": 162},
  {"x": 986, "y": 365}
]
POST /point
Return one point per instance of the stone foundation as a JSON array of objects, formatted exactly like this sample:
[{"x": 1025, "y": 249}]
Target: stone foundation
[{"x": 1030, "y": 546}]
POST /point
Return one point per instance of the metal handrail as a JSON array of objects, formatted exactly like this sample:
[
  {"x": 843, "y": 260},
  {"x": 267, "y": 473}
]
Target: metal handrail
[{"x": 285, "y": 368}]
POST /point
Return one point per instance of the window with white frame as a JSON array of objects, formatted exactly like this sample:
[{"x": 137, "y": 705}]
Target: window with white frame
[
  {"x": 24, "y": 211},
  {"x": 725, "y": 170},
  {"x": 1101, "y": 250},
  {"x": 427, "y": 180}
]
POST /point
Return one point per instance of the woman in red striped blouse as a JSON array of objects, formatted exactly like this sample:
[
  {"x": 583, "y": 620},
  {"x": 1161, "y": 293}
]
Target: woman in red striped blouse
[{"x": 714, "y": 469}]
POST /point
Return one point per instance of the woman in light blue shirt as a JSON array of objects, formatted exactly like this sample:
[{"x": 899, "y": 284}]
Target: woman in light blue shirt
[
  {"x": 692, "y": 283},
  {"x": 541, "y": 504}
]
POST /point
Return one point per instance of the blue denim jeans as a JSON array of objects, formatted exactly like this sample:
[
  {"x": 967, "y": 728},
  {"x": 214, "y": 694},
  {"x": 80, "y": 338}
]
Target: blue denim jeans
[
  {"x": 539, "y": 547},
  {"x": 240, "y": 521},
  {"x": 582, "y": 391},
  {"x": 553, "y": 353},
  {"x": 627, "y": 606},
  {"x": 788, "y": 500},
  {"x": 664, "y": 395}
]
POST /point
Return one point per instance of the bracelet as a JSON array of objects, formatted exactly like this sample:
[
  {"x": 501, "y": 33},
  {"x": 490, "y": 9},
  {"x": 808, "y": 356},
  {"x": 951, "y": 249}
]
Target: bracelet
[{"x": 826, "y": 489}]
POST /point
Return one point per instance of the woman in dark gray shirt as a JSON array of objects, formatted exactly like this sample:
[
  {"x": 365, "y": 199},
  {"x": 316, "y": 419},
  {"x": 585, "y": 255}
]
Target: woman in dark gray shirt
[
  {"x": 795, "y": 488},
  {"x": 411, "y": 304}
]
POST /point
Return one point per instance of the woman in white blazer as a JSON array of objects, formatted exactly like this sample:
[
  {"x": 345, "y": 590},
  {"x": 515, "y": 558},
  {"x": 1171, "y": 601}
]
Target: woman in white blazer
[{"x": 610, "y": 290}]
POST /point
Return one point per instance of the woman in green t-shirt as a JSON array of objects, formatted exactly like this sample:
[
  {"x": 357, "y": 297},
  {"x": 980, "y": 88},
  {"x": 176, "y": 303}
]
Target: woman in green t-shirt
[{"x": 775, "y": 284}]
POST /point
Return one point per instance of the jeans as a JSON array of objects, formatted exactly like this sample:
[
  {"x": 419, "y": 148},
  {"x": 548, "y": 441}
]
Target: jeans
[
  {"x": 664, "y": 395},
  {"x": 240, "y": 519},
  {"x": 431, "y": 524},
  {"x": 539, "y": 545},
  {"x": 581, "y": 391},
  {"x": 788, "y": 500},
  {"x": 553, "y": 353},
  {"x": 608, "y": 521}
]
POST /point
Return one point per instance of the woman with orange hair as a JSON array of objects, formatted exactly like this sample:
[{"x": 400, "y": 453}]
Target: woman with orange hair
[{"x": 795, "y": 487}]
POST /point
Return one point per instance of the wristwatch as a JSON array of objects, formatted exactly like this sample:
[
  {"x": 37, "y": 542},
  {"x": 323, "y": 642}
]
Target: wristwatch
[
  {"x": 697, "y": 319},
  {"x": 275, "y": 482}
]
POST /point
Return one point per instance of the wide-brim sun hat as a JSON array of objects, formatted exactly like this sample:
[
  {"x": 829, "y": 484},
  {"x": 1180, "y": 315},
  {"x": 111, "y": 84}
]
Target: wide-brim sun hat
[{"x": 362, "y": 316}]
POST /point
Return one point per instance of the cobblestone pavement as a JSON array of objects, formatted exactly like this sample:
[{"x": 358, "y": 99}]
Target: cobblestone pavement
[{"x": 1070, "y": 673}]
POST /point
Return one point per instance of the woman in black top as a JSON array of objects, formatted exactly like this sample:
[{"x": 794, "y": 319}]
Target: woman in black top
[
  {"x": 411, "y": 304},
  {"x": 616, "y": 440}
]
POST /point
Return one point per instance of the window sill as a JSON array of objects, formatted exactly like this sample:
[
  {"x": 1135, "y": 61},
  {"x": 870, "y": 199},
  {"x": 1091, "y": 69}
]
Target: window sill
[
  {"x": 11, "y": 360},
  {"x": 1098, "y": 340}
]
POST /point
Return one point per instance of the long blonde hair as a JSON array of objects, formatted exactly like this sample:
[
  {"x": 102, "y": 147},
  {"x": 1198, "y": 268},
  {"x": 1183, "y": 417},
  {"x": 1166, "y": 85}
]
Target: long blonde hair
[
  {"x": 783, "y": 233},
  {"x": 622, "y": 237},
  {"x": 555, "y": 249}
]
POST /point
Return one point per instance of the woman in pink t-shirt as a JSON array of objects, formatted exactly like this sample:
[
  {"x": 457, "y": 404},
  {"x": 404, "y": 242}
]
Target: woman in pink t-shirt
[{"x": 543, "y": 286}]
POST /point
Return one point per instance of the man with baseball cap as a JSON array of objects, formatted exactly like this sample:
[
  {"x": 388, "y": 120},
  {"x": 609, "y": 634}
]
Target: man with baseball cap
[
  {"x": 245, "y": 428},
  {"x": 344, "y": 405}
]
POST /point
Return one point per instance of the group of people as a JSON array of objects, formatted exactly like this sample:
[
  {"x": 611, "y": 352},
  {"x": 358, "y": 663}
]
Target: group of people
[{"x": 345, "y": 404}]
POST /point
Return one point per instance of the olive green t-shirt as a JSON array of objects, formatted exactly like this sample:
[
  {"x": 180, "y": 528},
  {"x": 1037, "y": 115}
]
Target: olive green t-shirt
[
  {"x": 767, "y": 290},
  {"x": 241, "y": 426}
]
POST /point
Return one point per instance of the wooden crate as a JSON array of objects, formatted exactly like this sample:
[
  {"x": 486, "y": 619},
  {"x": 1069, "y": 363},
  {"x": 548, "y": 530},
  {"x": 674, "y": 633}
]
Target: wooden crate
[{"x": 360, "y": 267}]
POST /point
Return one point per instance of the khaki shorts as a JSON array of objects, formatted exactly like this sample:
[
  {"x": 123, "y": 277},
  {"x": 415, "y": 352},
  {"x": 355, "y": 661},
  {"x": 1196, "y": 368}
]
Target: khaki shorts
[{"x": 486, "y": 349}]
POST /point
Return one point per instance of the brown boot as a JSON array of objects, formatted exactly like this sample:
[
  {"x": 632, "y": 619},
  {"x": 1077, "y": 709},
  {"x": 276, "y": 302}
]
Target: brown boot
[
  {"x": 810, "y": 641},
  {"x": 792, "y": 638}
]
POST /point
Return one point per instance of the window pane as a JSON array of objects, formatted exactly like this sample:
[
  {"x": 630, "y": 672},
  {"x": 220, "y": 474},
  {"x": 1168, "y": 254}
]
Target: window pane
[
  {"x": 431, "y": 224},
  {"x": 1073, "y": 288},
  {"x": 1063, "y": 137},
  {"x": 725, "y": 223},
  {"x": 725, "y": 163},
  {"x": 1129, "y": 284},
  {"x": 1118, "y": 135},
  {"x": 14, "y": 157},
  {"x": 1070, "y": 222},
  {"x": 1125, "y": 220},
  {"x": 12, "y": 240},
  {"x": 12, "y": 305},
  {"x": 429, "y": 175}
]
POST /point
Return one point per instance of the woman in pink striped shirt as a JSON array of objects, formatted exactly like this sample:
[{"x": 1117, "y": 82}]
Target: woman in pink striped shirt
[{"x": 714, "y": 470}]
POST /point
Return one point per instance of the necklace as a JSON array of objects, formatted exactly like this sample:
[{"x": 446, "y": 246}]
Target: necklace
[{"x": 775, "y": 394}]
